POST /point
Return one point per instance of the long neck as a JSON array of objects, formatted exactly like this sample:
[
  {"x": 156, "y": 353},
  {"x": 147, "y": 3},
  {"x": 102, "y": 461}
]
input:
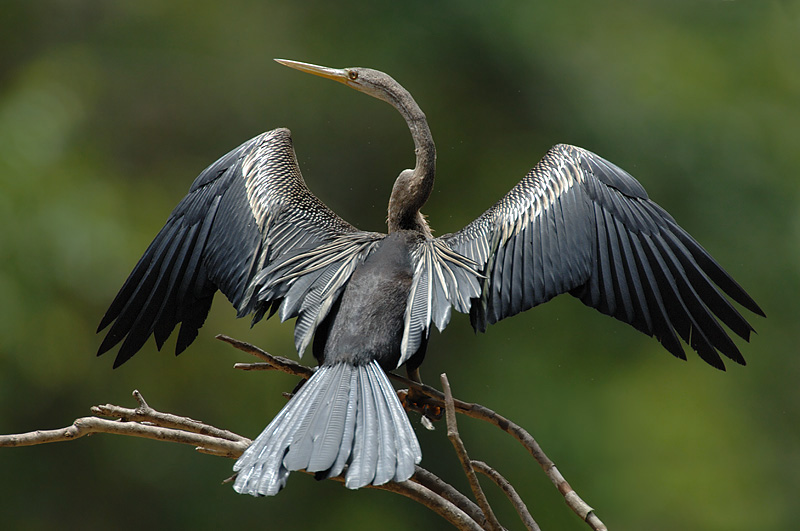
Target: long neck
[{"x": 412, "y": 190}]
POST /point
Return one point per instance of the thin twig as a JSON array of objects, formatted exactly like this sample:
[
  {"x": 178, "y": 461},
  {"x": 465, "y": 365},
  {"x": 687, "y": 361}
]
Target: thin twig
[
  {"x": 428, "y": 479},
  {"x": 510, "y": 492},
  {"x": 433, "y": 501},
  {"x": 276, "y": 362},
  {"x": 461, "y": 451}
]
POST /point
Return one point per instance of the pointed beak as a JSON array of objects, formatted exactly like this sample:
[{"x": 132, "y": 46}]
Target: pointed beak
[{"x": 336, "y": 74}]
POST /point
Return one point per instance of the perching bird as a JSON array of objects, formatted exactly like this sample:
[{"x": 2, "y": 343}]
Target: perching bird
[{"x": 251, "y": 228}]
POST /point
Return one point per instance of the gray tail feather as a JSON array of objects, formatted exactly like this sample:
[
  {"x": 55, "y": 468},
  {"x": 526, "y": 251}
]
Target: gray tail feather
[{"x": 343, "y": 415}]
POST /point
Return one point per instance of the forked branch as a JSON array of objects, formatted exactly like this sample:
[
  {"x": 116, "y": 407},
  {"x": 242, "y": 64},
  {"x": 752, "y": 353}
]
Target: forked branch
[
  {"x": 424, "y": 487},
  {"x": 477, "y": 411}
]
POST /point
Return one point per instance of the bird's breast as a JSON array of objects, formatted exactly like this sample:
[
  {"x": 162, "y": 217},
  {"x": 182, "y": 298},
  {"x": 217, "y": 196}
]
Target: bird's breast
[{"x": 368, "y": 324}]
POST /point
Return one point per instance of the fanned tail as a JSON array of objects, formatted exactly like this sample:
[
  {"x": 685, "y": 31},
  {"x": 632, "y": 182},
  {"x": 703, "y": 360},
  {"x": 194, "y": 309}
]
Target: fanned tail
[{"x": 345, "y": 415}]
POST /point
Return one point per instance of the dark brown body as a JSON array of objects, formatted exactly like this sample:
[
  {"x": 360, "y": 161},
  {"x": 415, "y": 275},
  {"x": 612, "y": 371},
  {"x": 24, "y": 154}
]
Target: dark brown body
[{"x": 368, "y": 322}]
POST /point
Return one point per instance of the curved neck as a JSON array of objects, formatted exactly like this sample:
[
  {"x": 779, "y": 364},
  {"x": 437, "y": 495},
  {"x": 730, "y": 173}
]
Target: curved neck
[
  {"x": 412, "y": 189},
  {"x": 424, "y": 148}
]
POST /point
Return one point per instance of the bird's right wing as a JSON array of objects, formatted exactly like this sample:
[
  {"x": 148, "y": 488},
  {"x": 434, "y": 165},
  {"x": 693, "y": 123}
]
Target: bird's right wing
[
  {"x": 246, "y": 211},
  {"x": 581, "y": 225}
]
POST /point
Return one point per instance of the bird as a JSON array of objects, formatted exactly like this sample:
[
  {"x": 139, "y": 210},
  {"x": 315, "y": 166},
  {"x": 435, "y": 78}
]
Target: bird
[{"x": 366, "y": 301}]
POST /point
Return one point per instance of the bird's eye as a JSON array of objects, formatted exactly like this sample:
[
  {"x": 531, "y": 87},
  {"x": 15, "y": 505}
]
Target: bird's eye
[{"x": 352, "y": 74}]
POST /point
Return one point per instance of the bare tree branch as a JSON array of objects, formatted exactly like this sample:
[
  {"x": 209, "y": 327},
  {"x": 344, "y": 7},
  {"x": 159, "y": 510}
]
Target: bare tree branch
[
  {"x": 144, "y": 413},
  {"x": 477, "y": 411},
  {"x": 424, "y": 487},
  {"x": 149, "y": 425}
]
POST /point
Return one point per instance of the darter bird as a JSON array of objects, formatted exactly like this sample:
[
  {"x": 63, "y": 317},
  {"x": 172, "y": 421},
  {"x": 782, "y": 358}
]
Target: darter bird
[{"x": 251, "y": 228}]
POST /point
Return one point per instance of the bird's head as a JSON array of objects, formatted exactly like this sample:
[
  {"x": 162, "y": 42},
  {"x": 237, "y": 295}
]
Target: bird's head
[{"x": 373, "y": 82}]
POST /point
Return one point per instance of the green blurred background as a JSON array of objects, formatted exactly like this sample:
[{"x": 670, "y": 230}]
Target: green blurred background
[{"x": 108, "y": 110}]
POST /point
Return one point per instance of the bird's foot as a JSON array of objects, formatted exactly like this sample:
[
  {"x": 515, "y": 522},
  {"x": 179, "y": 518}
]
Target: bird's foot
[{"x": 414, "y": 400}]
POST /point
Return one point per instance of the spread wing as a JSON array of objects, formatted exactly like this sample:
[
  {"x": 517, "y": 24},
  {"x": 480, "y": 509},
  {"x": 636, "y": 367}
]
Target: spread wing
[
  {"x": 578, "y": 224},
  {"x": 245, "y": 212}
]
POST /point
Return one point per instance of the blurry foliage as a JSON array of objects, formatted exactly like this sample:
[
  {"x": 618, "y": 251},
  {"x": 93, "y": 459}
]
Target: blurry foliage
[{"x": 109, "y": 109}]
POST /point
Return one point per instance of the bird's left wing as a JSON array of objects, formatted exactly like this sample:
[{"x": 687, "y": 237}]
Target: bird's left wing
[
  {"x": 579, "y": 224},
  {"x": 248, "y": 210}
]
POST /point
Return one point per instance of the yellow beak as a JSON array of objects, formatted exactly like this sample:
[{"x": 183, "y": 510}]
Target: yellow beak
[{"x": 336, "y": 74}]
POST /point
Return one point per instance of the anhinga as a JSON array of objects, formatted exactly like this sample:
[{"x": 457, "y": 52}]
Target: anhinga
[{"x": 251, "y": 228}]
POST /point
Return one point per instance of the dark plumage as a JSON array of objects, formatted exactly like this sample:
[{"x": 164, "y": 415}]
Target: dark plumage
[
  {"x": 250, "y": 228},
  {"x": 348, "y": 412}
]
